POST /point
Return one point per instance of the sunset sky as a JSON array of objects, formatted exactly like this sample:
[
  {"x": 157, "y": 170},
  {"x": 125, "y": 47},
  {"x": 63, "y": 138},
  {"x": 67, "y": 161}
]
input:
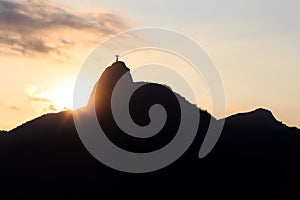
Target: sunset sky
[{"x": 254, "y": 44}]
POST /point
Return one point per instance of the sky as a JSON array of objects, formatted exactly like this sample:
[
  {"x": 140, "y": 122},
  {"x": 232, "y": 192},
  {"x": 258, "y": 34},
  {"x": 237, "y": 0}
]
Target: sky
[{"x": 254, "y": 44}]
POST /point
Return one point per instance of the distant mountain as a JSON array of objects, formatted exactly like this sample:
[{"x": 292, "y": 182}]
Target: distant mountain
[
  {"x": 259, "y": 118},
  {"x": 256, "y": 157}
]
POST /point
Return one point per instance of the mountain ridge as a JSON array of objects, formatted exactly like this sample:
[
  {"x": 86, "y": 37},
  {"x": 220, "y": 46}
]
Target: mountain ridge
[
  {"x": 262, "y": 115},
  {"x": 119, "y": 68},
  {"x": 226, "y": 118},
  {"x": 255, "y": 155},
  {"x": 254, "y": 111}
]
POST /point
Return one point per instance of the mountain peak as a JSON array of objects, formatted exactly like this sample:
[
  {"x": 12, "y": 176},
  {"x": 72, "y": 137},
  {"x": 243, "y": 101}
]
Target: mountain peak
[
  {"x": 258, "y": 118},
  {"x": 109, "y": 78},
  {"x": 257, "y": 113},
  {"x": 262, "y": 112},
  {"x": 113, "y": 73},
  {"x": 119, "y": 63}
]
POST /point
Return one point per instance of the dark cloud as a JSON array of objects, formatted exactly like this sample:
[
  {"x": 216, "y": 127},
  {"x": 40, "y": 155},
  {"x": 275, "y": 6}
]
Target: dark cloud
[
  {"x": 32, "y": 26},
  {"x": 14, "y": 108},
  {"x": 8, "y": 5}
]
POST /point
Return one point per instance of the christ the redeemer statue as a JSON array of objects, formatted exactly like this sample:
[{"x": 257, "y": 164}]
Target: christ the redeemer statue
[{"x": 117, "y": 58}]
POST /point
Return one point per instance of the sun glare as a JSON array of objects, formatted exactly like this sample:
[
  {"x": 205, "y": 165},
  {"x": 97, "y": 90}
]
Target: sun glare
[{"x": 62, "y": 97}]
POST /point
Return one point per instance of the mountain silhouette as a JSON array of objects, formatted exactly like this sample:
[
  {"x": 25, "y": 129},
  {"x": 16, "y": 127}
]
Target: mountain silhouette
[{"x": 255, "y": 157}]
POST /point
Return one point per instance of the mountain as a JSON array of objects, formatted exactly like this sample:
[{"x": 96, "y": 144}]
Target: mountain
[
  {"x": 256, "y": 157},
  {"x": 263, "y": 119}
]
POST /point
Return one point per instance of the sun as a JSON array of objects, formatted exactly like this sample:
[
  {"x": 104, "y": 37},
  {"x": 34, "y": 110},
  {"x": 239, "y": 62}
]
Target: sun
[{"x": 62, "y": 96}]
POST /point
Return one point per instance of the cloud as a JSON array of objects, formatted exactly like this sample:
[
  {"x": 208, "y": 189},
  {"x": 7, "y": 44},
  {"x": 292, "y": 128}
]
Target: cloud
[
  {"x": 14, "y": 108},
  {"x": 44, "y": 102},
  {"x": 51, "y": 107},
  {"x": 44, "y": 27},
  {"x": 39, "y": 99}
]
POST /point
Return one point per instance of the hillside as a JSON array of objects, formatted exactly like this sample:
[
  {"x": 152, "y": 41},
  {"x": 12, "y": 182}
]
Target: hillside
[{"x": 255, "y": 157}]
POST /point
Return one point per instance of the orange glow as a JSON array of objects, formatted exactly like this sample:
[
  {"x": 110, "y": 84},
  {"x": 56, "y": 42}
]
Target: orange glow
[{"x": 62, "y": 97}]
